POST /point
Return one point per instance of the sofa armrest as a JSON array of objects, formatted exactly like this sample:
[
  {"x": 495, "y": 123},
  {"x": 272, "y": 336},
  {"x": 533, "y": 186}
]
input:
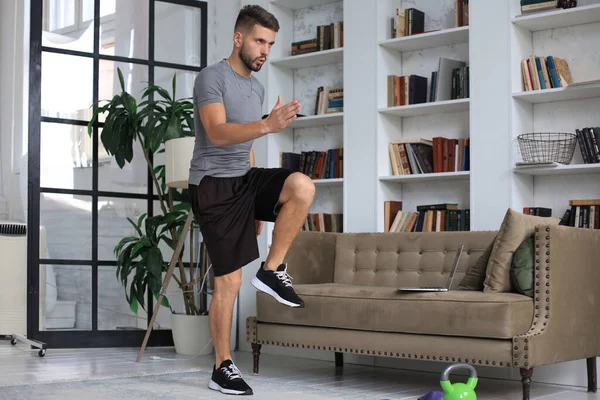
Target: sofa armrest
[
  {"x": 566, "y": 322},
  {"x": 311, "y": 257}
]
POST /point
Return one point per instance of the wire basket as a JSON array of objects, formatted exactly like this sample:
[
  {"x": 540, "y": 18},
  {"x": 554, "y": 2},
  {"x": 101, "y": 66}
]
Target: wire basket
[{"x": 547, "y": 147}]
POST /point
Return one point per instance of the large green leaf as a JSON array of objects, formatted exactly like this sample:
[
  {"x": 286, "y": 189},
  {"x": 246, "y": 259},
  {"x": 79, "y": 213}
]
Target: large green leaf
[
  {"x": 138, "y": 226},
  {"x": 154, "y": 261},
  {"x": 155, "y": 284},
  {"x": 140, "y": 247},
  {"x": 123, "y": 242},
  {"x": 133, "y": 305}
]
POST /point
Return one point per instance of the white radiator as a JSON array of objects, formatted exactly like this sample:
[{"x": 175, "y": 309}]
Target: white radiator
[{"x": 13, "y": 278}]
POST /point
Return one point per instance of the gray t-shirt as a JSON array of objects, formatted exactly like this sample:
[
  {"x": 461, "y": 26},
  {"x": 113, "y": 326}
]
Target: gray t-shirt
[{"x": 243, "y": 99}]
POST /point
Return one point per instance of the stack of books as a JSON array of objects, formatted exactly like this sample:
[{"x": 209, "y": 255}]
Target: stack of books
[
  {"x": 324, "y": 222},
  {"x": 328, "y": 164},
  {"x": 531, "y": 6},
  {"x": 445, "y": 217},
  {"x": 329, "y": 37},
  {"x": 449, "y": 82},
  {"x": 329, "y": 100},
  {"x": 589, "y": 144},
  {"x": 545, "y": 73},
  {"x": 582, "y": 214},
  {"x": 407, "y": 22},
  {"x": 424, "y": 156}
]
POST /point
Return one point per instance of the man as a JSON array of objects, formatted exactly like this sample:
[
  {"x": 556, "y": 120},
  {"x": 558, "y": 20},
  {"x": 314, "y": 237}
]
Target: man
[{"x": 230, "y": 196}]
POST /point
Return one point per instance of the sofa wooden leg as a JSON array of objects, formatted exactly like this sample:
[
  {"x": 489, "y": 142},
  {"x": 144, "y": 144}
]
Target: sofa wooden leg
[
  {"x": 339, "y": 359},
  {"x": 526, "y": 381},
  {"x": 256, "y": 355},
  {"x": 592, "y": 375}
]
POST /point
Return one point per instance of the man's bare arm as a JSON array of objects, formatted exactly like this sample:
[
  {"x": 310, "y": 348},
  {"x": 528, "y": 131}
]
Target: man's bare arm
[
  {"x": 252, "y": 157},
  {"x": 222, "y": 133}
]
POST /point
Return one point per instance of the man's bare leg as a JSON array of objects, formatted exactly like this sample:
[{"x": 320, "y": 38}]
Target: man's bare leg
[
  {"x": 296, "y": 198},
  {"x": 221, "y": 313}
]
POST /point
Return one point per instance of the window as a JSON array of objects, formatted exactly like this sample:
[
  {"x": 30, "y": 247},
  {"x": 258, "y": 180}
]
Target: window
[{"x": 77, "y": 192}]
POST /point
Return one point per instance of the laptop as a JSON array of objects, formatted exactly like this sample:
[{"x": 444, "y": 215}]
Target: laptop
[{"x": 438, "y": 288}]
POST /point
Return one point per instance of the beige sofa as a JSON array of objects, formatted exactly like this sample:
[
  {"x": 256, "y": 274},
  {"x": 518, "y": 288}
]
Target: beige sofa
[{"x": 349, "y": 284}]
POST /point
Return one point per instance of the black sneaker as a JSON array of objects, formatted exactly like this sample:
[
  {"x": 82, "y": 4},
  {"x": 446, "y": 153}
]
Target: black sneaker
[
  {"x": 228, "y": 379},
  {"x": 277, "y": 284}
]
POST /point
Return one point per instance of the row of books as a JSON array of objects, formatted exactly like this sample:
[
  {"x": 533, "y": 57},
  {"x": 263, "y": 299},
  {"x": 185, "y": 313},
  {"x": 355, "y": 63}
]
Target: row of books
[
  {"x": 411, "y": 21},
  {"x": 461, "y": 11},
  {"x": 406, "y": 90},
  {"x": 445, "y": 217},
  {"x": 538, "y": 211},
  {"x": 589, "y": 144},
  {"x": 329, "y": 100},
  {"x": 424, "y": 156},
  {"x": 582, "y": 214},
  {"x": 449, "y": 82},
  {"x": 407, "y": 22},
  {"x": 328, "y": 164},
  {"x": 330, "y": 36},
  {"x": 324, "y": 222},
  {"x": 531, "y": 6},
  {"x": 545, "y": 73}
]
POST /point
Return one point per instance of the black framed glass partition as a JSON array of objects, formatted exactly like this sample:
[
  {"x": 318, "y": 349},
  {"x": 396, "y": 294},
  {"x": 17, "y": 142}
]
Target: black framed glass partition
[{"x": 78, "y": 197}]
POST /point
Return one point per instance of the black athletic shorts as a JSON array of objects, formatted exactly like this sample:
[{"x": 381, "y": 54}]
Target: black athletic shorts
[{"x": 226, "y": 210}]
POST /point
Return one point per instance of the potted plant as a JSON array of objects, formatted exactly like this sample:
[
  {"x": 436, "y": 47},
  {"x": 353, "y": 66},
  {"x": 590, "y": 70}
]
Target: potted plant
[{"x": 140, "y": 261}]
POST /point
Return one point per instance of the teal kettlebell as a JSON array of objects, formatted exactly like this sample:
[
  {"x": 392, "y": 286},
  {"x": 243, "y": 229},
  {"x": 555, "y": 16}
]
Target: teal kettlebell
[{"x": 456, "y": 391}]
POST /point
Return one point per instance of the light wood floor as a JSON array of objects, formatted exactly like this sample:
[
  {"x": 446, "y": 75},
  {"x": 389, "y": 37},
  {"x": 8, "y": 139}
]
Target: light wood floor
[{"x": 21, "y": 366}]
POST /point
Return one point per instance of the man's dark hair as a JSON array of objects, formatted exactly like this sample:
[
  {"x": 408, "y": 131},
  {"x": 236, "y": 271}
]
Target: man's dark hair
[{"x": 252, "y": 15}]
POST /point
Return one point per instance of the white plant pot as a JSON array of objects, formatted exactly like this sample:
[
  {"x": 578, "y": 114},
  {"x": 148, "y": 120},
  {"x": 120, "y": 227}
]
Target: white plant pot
[{"x": 191, "y": 334}]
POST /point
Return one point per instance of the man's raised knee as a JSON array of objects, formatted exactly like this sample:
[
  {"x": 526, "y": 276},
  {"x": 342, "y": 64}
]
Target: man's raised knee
[{"x": 301, "y": 187}]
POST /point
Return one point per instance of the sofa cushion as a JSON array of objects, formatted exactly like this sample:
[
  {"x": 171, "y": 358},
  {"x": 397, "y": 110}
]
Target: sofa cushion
[
  {"x": 515, "y": 228},
  {"x": 406, "y": 258},
  {"x": 475, "y": 276},
  {"x": 521, "y": 270},
  {"x": 384, "y": 309}
]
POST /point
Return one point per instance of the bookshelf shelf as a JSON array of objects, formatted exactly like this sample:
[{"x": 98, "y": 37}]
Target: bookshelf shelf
[
  {"x": 318, "y": 120},
  {"x": 315, "y": 59},
  {"x": 300, "y": 4},
  {"x": 572, "y": 169},
  {"x": 558, "y": 19},
  {"x": 414, "y": 178},
  {"x": 439, "y": 38},
  {"x": 559, "y": 94},
  {"x": 328, "y": 182},
  {"x": 436, "y": 107}
]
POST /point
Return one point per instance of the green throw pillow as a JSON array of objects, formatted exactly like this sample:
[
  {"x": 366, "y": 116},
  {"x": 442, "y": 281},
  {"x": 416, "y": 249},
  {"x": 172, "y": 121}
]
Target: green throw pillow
[{"x": 521, "y": 269}]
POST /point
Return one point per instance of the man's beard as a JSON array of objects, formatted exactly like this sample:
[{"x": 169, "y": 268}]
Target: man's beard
[{"x": 248, "y": 61}]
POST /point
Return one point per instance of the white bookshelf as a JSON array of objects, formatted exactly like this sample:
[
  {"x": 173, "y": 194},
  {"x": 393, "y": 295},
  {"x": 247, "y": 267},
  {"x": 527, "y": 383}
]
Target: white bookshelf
[
  {"x": 571, "y": 169},
  {"x": 570, "y": 34},
  {"x": 436, "y": 107},
  {"x": 419, "y": 54},
  {"x": 558, "y": 18},
  {"x": 311, "y": 121},
  {"x": 297, "y": 78},
  {"x": 559, "y": 94},
  {"x": 316, "y": 59},
  {"x": 432, "y": 177},
  {"x": 443, "y": 37},
  {"x": 328, "y": 182}
]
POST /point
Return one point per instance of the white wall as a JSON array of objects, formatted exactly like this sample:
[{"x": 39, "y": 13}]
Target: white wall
[{"x": 14, "y": 48}]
